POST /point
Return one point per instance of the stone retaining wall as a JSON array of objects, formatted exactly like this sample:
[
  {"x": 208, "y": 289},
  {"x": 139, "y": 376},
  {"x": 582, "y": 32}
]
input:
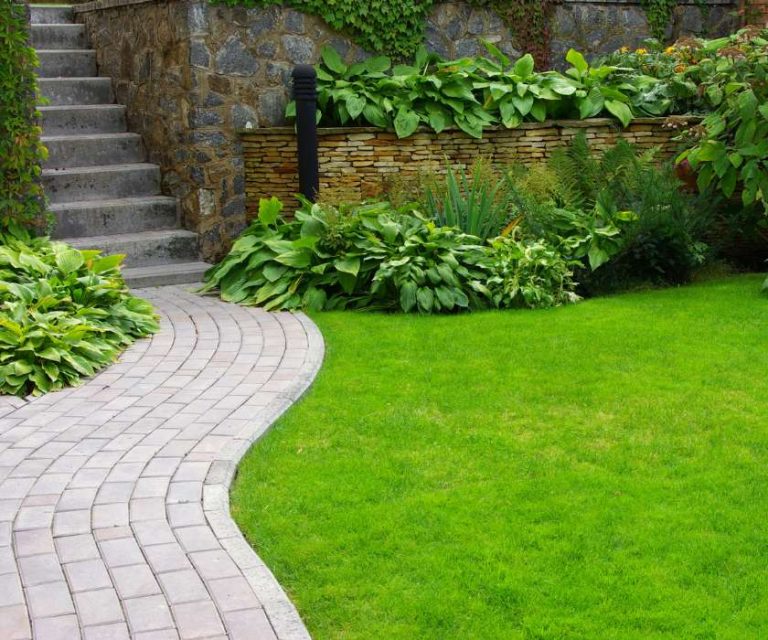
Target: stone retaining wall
[
  {"x": 360, "y": 163},
  {"x": 192, "y": 74}
]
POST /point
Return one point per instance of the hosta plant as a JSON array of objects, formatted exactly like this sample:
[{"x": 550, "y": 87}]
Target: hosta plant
[
  {"x": 64, "y": 313},
  {"x": 373, "y": 256}
]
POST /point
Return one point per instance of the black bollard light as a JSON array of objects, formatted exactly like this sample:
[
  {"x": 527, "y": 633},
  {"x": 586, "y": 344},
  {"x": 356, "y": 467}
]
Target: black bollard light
[{"x": 305, "y": 94}]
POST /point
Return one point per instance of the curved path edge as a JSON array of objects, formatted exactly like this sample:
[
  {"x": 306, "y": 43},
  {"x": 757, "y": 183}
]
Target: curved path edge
[
  {"x": 282, "y": 613},
  {"x": 115, "y": 521}
]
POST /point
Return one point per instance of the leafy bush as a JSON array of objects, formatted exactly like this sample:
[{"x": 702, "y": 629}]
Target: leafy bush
[
  {"x": 623, "y": 216},
  {"x": 470, "y": 93},
  {"x": 373, "y": 256},
  {"x": 64, "y": 313},
  {"x": 21, "y": 194},
  {"x": 478, "y": 204},
  {"x": 727, "y": 80},
  {"x": 530, "y": 275}
]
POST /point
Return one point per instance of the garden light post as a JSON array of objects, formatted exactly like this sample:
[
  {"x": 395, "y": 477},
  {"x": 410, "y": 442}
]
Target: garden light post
[{"x": 305, "y": 94}]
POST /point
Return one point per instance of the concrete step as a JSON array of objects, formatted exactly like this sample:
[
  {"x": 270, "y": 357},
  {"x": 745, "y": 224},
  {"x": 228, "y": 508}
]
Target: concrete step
[
  {"x": 165, "y": 274},
  {"x": 61, "y": 91},
  {"x": 145, "y": 249},
  {"x": 101, "y": 183},
  {"x": 93, "y": 149},
  {"x": 49, "y": 14},
  {"x": 58, "y": 36},
  {"x": 108, "y": 217},
  {"x": 67, "y": 63},
  {"x": 85, "y": 119}
]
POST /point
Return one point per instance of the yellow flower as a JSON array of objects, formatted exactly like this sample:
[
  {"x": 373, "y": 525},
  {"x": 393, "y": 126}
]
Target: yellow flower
[
  {"x": 670, "y": 50},
  {"x": 641, "y": 52},
  {"x": 680, "y": 68},
  {"x": 624, "y": 50}
]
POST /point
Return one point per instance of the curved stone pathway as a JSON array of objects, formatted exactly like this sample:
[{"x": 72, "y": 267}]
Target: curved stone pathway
[{"x": 114, "y": 507}]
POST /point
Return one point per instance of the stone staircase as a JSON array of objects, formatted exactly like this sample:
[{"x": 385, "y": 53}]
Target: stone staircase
[{"x": 101, "y": 189}]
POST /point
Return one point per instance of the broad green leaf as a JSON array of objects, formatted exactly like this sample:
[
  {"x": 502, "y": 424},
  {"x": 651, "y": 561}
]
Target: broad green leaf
[
  {"x": 620, "y": 110},
  {"x": 408, "y": 296},
  {"x": 406, "y": 122},
  {"x": 333, "y": 60},
  {"x": 69, "y": 261},
  {"x": 524, "y": 66},
  {"x": 578, "y": 61},
  {"x": 269, "y": 210}
]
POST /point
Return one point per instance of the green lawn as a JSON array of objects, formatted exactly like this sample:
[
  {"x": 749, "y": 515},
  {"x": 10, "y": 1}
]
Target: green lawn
[{"x": 596, "y": 471}]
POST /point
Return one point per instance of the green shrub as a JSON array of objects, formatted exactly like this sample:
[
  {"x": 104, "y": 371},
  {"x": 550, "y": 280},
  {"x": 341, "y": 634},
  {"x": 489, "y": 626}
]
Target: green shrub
[
  {"x": 21, "y": 194},
  {"x": 373, "y": 256},
  {"x": 624, "y": 216},
  {"x": 64, "y": 313},
  {"x": 533, "y": 274}
]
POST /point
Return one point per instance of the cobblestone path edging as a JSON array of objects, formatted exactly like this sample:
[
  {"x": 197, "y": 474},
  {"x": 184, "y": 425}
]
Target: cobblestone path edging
[{"x": 114, "y": 496}]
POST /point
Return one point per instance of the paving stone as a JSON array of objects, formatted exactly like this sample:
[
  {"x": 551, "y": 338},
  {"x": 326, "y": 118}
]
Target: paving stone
[
  {"x": 250, "y": 624},
  {"x": 74, "y": 548},
  {"x": 40, "y": 569},
  {"x": 15, "y": 623},
  {"x": 87, "y": 575},
  {"x": 49, "y": 600},
  {"x": 167, "y": 557},
  {"x": 121, "y": 552},
  {"x": 116, "y": 631},
  {"x": 134, "y": 581},
  {"x": 98, "y": 607},
  {"x": 148, "y": 613},
  {"x": 10, "y": 590},
  {"x": 183, "y": 586},
  {"x": 197, "y": 620},
  {"x": 61, "y": 628}
]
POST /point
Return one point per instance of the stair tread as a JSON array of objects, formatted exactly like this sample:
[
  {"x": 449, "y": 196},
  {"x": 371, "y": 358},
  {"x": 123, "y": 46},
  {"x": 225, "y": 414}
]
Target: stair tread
[
  {"x": 178, "y": 265},
  {"x": 140, "y": 236},
  {"x": 103, "y": 168},
  {"x": 73, "y": 78},
  {"x": 119, "y": 135},
  {"x": 64, "y": 107},
  {"x": 111, "y": 202}
]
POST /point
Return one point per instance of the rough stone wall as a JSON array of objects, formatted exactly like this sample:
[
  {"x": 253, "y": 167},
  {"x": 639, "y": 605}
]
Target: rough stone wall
[
  {"x": 192, "y": 75},
  {"x": 359, "y": 163},
  {"x": 602, "y": 26}
]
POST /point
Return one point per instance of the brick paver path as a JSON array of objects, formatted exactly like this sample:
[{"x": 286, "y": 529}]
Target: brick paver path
[{"x": 114, "y": 512}]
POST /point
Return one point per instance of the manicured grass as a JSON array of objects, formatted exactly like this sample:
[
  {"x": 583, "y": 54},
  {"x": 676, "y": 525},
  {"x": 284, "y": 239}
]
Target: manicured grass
[{"x": 597, "y": 471}]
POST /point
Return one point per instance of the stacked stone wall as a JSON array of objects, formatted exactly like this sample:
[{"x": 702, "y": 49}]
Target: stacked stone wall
[{"x": 362, "y": 163}]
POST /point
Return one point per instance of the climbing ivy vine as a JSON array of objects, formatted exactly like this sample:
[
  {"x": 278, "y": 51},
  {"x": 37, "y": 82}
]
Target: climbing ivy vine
[
  {"x": 396, "y": 27},
  {"x": 21, "y": 152},
  {"x": 659, "y": 14}
]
